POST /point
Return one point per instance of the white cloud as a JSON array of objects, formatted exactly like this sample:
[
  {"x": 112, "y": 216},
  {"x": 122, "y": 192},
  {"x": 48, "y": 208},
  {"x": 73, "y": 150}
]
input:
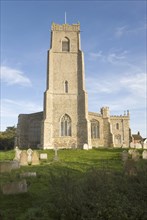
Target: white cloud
[
  {"x": 121, "y": 31},
  {"x": 124, "y": 30},
  {"x": 13, "y": 76},
  {"x": 135, "y": 83}
]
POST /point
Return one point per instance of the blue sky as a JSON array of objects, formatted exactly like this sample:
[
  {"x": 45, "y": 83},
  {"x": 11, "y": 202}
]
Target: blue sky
[{"x": 113, "y": 38}]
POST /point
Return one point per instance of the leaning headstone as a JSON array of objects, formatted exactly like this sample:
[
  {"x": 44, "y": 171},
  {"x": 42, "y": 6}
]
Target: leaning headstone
[
  {"x": 35, "y": 158},
  {"x": 28, "y": 174},
  {"x": 15, "y": 187},
  {"x": 135, "y": 155},
  {"x": 29, "y": 153},
  {"x": 23, "y": 158},
  {"x": 124, "y": 156},
  {"x": 144, "y": 154},
  {"x": 17, "y": 153},
  {"x": 43, "y": 156},
  {"x": 85, "y": 147}
]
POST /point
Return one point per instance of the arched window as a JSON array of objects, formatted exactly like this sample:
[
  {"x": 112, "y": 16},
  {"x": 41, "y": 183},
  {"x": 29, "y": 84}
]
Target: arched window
[
  {"x": 95, "y": 133},
  {"x": 66, "y": 87},
  {"x": 65, "y": 45},
  {"x": 117, "y": 126},
  {"x": 65, "y": 125}
]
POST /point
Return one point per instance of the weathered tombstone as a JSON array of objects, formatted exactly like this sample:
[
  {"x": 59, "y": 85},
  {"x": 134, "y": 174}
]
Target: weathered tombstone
[
  {"x": 35, "y": 158},
  {"x": 56, "y": 154},
  {"x": 15, "y": 187},
  {"x": 5, "y": 166},
  {"x": 124, "y": 156},
  {"x": 130, "y": 168},
  {"x": 28, "y": 174},
  {"x": 135, "y": 155},
  {"x": 29, "y": 153},
  {"x": 85, "y": 147},
  {"x": 138, "y": 146},
  {"x": 144, "y": 154},
  {"x": 17, "y": 153},
  {"x": 15, "y": 164},
  {"x": 43, "y": 156},
  {"x": 23, "y": 158},
  {"x": 130, "y": 151}
]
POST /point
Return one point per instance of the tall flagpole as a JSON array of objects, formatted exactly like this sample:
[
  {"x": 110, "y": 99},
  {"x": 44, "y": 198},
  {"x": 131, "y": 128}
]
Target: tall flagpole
[{"x": 65, "y": 17}]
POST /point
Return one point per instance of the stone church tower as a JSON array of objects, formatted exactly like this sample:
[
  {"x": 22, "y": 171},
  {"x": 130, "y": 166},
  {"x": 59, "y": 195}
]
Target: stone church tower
[{"x": 65, "y": 119}]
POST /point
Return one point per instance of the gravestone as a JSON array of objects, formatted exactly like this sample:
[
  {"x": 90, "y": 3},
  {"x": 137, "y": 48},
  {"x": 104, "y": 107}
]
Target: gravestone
[
  {"x": 130, "y": 151},
  {"x": 5, "y": 166},
  {"x": 28, "y": 174},
  {"x": 17, "y": 154},
  {"x": 43, "y": 156},
  {"x": 23, "y": 158},
  {"x": 85, "y": 147},
  {"x": 15, "y": 187},
  {"x": 130, "y": 168},
  {"x": 135, "y": 155},
  {"x": 15, "y": 164},
  {"x": 124, "y": 156},
  {"x": 29, "y": 153},
  {"x": 144, "y": 154},
  {"x": 35, "y": 158}
]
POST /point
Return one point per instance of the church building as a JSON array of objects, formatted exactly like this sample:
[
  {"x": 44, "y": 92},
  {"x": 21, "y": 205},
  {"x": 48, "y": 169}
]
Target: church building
[{"x": 65, "y": 121}]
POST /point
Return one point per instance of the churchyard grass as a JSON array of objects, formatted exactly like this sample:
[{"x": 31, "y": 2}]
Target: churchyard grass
[{"x": 87, "y": 185}]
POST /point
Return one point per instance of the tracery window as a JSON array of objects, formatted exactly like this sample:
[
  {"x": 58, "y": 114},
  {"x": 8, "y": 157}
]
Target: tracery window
[
  {"x": 95, "y": 129},
  {"x": 118, "y": 139},
  {"x": 65, "y": 125},
  {"x": 65, "y": 45}
]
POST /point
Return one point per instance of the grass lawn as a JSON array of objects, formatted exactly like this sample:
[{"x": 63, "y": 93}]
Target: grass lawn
[{"x": 81, "y": 185}]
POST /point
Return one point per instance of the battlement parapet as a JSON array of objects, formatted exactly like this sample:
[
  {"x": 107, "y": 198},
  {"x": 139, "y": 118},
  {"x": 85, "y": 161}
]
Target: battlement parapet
[
  {"x": 94, "y": 114},
  {"x": 65, "y": 27},
  {"x": 119, "y": 117}
]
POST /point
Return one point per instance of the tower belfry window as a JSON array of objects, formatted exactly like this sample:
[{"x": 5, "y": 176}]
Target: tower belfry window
[{"x": 65, "y": 45}]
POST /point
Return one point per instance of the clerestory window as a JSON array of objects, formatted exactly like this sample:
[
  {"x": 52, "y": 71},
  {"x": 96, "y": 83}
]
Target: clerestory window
[{"x": 65, "y": 125}]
